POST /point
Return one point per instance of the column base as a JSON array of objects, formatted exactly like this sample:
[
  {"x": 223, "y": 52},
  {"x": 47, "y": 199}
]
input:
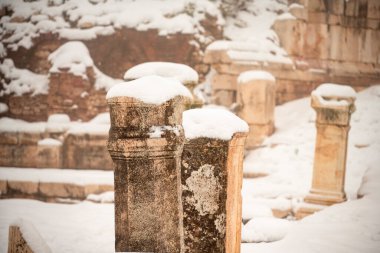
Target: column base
[
  {"x": 325, "y": 198},
  {"x": 318, "y": 200}
]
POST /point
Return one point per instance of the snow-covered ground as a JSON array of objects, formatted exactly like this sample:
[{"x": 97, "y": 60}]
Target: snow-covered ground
[{"x": 287, "y": 159}]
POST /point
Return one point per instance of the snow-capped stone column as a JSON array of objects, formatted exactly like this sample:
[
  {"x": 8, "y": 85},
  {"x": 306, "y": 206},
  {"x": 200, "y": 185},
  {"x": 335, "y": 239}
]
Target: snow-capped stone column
[
  {"x": 256, "y": 95},
  {"x": 181, "y": 72},
  {"x": 212, "y": 175},
  {"x": 334, "y": 105},
  {"x": 145, "y": 143}
]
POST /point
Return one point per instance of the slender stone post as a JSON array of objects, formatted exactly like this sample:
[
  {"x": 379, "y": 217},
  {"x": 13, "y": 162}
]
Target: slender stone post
[
  {"x": 211, "y": 181},
  {"x": 145, "y": 143},
  {"x": 334, "y": 105},
  {"x": 256, "y": 92}
]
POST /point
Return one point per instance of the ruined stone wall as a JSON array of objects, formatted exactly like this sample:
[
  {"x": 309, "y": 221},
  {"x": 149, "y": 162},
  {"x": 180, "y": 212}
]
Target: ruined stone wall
[
  {"x": 327, "y": 42},
  {"x": 337, "y": 40},
  {"x": 78, "y": 151}
]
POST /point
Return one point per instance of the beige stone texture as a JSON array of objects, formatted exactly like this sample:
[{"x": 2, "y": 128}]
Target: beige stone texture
[
  {"x": 223, "y": 97},
  {"x": 17, "y": 242},
  {"x": 3, "y": 187},
  {"x": 211, "y": 194},
  {"x": 49, "y": 156},
  {"x": 8, "y": 138},
  {"x": 85, "y": 151},
  {"x": 256, "y": 103},
  {"x": 97, "y": 188},
  {"x": 23, "y": 187},
  {"x": 333, "y": 124},
  {"x": 61, "y": 190},
  {"x": 148, "y": 210},
  {"x": 224, "y": 82}
]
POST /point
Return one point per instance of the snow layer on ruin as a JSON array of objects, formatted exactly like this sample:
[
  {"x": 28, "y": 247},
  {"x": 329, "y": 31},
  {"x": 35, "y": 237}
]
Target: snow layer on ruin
[
  {"x": 334, "y": 94},
  {"x": 85, "y": 20},
  {"x": 255, "y": 75},
  {"x": 78, "y": 177},
  {"x": 150, "y": 89},
  {"x": 180, "y": 72},
  {"x": 254, "y": 51},
  {"x": 21, "y": 81},
  {"x": 212, "y": 123},
  {"x": 73, "y": 57},
  {"x": 335, "y": 90},
  {"x": 49, "y": 142},
  {"x": 3, "y": 108},
  {"x": 252, "y": 25}
]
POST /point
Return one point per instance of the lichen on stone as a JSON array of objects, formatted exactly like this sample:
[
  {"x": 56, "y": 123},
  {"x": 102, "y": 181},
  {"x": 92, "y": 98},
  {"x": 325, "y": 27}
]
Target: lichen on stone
[
  {"x": 205, "y": 188},
  {"x": 220, "y": 223}
]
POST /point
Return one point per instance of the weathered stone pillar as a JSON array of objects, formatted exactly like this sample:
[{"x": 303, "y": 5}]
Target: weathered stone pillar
[
  {"x": 145, "y": 143},
  {"x": 334, "y": 105},
  {"x": 212, "y": 174},
  {"x": 256, "y": 98}
]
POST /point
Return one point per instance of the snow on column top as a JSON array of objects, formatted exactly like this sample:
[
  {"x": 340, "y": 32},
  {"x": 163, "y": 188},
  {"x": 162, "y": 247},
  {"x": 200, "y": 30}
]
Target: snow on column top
[
  {"x": 180, "y": 72},
  {"x": 212, "y": 123},
  {"x": 32, "y": 236},
  {"x": 334, "y": 94},
  {"x": 150, "y": 89},
  {"x": 255, "y": 75},
  {"x": 73, "y": 56}
]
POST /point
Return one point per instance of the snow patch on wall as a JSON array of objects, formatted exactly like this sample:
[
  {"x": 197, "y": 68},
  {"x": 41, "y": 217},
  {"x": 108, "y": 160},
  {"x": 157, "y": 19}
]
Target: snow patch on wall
[
  {"x": 73, "y": 57},
  {"x": 21, "y": 81},
  {"x": 205, "y": 188},
  {"x": 158, "y": 131},
  {"x": 49, "y": 142},
  {"x": 3, "y": 108}
]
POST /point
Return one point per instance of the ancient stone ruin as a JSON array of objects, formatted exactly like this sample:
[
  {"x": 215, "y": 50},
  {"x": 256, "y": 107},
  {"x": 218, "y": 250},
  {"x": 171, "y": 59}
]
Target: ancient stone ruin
[
  {"x": 145, "y": 143},
  {"x": 211, "y": 174},
  {"x": 154, "y": 168},
  {"x": 256, "y": 91},
  {"x": 334, "y": 105}
]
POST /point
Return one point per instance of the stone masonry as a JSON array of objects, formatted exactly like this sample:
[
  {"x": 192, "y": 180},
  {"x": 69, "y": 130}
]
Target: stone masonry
[
  {"x": 211, "y": 185},
  {"x": 335, "y": 42},
  {"x": 333, "y": 124},
  {"x": 256, "y": 103},
  {"x": 148, "y": 210}
]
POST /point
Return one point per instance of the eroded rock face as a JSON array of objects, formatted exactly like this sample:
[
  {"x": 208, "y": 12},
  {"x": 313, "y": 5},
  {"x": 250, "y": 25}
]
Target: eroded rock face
[
  {"x": 211, "y": 183},
  {"x": 148, "y": 210}
]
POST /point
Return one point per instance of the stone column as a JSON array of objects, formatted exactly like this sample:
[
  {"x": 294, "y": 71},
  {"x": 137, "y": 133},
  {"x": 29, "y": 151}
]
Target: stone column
[
  {"x": 211, "y": 193},
  {"x": 145, "y": 143},
  {"x": 334, "y": 105},
  {"x": 256, "y": 95}
]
